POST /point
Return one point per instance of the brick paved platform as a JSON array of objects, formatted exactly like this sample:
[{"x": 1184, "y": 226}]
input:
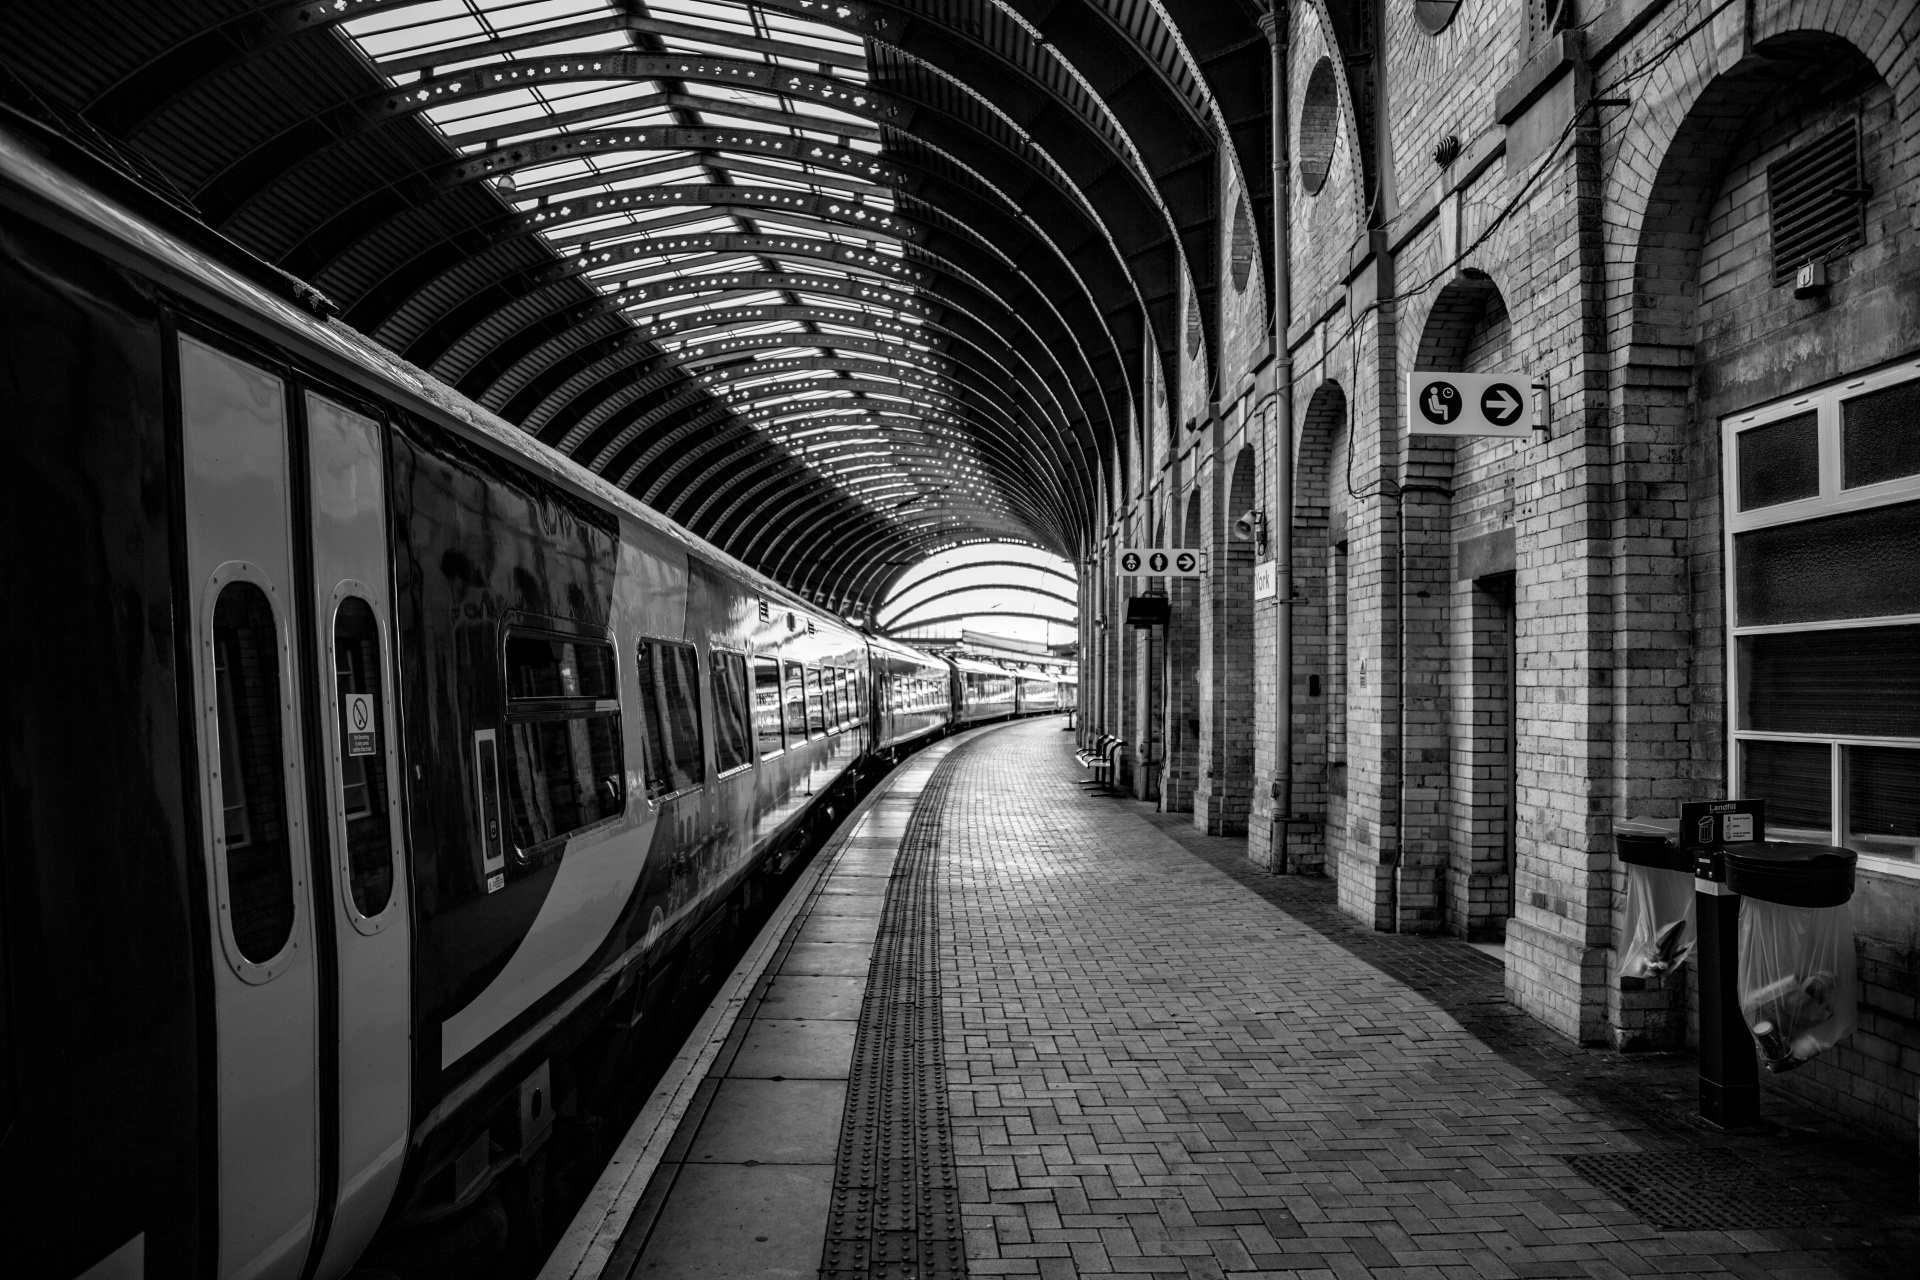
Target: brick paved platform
[
  {"x": 1161, "y": 1061},
  {"x": 1170, "y": 1064}
]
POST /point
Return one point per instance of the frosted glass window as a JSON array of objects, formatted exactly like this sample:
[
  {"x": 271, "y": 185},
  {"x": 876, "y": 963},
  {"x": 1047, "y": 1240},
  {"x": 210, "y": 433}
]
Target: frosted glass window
[
  {"x": 1864, "y": 564},
  {"x": 1796, "y": 781},
  {"x": 1779, "y": 462},
  {"x": 1855, "y": 680},
  {"x": 1880, "y": 435},
  {"x": 1883, "y": 800}
]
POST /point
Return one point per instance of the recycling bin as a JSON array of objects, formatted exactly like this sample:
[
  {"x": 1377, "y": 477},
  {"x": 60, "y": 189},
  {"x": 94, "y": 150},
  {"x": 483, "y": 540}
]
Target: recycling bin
[
  {"x": 1660, "y": 932},
  {"x": 1798, "y": 985}
]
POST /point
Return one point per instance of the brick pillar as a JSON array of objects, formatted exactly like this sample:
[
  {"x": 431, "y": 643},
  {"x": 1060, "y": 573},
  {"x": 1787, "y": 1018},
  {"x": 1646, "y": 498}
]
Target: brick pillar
[
  {"x": 1369, "y": 846},
  {"x": 1558, "y": 940}
]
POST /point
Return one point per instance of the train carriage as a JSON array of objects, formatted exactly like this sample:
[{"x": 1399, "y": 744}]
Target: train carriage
[
  {"x": 912, "y": 700},
  {"x": 1035, "y": 693},
  {"x": 982, "y": 692},
  {"x": 387, "y": 755}
]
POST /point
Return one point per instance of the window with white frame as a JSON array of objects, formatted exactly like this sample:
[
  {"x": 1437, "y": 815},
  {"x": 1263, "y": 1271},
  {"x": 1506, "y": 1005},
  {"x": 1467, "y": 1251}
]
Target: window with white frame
[{"x": 1823, "y": 600}]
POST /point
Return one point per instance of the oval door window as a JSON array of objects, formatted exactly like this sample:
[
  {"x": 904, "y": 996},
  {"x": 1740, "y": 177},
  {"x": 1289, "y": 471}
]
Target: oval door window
[
  {"x": 363, "y": 774},
  {"x": 252, "y": 779}
]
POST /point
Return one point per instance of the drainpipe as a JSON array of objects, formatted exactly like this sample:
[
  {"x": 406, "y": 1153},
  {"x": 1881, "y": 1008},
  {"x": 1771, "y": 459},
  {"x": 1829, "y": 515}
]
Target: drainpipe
[{"x": 1280, "y": 527}]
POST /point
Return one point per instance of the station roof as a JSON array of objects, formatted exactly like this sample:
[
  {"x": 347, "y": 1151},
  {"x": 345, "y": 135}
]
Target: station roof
[{"x": 837, "y": 284}]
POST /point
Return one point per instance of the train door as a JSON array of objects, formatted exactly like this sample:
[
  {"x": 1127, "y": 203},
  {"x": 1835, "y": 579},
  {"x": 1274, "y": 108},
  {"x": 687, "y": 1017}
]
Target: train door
[
  {"x": 359, "y": 811},
  {"x": 254, "y": 836}
]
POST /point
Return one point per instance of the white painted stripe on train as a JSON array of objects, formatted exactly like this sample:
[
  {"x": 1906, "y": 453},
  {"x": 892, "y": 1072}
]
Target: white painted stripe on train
[{"x": 590, "y": 1239}]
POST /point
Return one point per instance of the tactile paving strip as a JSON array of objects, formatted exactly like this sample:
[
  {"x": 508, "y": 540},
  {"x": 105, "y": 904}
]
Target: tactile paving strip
[
  {"x": 896, "y": 1194},
  {"x": 1706, "y": 1190}
]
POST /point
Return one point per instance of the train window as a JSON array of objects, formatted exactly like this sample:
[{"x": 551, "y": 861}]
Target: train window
[
  {"x": 551, "y": 667},
  {"x": 796, "y": 703},
  {"x": 565, "y": 768},
  {"x": 670, "y": 710},
  {"x": 766, "y": 706},
  {"x": 363, "y": 776},
  {"x": 843, "y": 695},
  {"x": 732, "y": 723},
  {"x": 834, "y": 681},
  {"x": 252, "y": 778},
  {"x": 816, "y": 705}
]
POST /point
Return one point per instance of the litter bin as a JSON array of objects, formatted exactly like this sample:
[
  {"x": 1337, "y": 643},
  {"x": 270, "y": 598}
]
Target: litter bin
[
  {"x": 1660, "y": 930},
  {"x": 1799, "y": 991}
]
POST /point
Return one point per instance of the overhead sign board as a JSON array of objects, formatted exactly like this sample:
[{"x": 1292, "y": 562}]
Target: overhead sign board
[
  {"x": 1469, "y": 404},
  {"x": 1162, "y": 562}
]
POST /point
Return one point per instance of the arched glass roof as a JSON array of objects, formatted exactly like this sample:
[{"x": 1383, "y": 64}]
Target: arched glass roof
[{"x": 837, "y": 285}]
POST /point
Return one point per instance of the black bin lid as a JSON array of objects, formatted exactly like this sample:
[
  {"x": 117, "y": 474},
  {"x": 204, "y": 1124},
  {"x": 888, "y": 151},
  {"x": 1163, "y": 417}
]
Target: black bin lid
[
  {"x": 1651, "y": 842},
  {"x": 1792, "y": 874}
]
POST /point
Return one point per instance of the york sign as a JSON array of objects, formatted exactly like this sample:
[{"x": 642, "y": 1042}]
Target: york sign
[{"x": 1468, "y": 404}]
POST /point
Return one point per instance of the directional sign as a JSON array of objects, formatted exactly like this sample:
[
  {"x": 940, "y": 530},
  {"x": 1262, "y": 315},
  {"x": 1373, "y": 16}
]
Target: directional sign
[
  {"x": 1162, "y": 562},
  {"x": 1468, "y": 404}
]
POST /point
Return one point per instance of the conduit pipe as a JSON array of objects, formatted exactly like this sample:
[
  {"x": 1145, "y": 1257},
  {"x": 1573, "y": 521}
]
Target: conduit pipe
[{"x": 1274, "y": 24}]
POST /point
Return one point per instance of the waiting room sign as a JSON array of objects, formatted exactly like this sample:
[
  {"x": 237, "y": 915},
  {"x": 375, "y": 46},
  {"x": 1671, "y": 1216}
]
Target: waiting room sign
[{"x": 1468, "y": 404}]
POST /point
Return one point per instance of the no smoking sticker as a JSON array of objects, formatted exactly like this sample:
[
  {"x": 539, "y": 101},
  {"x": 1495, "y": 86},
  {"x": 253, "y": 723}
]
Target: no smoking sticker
[{"x": 358, "y": 713}]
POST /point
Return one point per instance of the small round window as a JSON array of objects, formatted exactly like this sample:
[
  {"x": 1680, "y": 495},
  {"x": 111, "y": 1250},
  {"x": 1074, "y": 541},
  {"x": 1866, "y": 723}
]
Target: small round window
[
  {"x": 1240, "y": 249},
  {"x": 1434, "y": 15},
  {"x": 1319, "y": 126}
]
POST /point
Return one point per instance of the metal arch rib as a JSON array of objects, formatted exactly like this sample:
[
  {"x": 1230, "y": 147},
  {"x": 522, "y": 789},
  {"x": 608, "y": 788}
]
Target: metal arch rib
[{"x": 980, "y": 586}]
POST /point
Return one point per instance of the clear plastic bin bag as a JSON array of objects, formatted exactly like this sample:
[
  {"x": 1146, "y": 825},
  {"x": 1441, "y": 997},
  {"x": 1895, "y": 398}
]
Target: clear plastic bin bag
[
  {"x": 1660, "y": 927},
  {"x": 1799, "y": 989}
]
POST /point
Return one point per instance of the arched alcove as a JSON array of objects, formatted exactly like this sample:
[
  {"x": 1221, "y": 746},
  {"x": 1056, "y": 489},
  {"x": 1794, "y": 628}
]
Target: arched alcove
[
  {"x": 1183, "y": 676},
  {"x": 1319, "y": 632},
  {"x": 1228, "y": 753},
  {"x": 1457, "y": 779}
]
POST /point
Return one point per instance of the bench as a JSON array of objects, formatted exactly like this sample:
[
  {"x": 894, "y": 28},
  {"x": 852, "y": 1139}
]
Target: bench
[{"x": 1102, "y": 756}]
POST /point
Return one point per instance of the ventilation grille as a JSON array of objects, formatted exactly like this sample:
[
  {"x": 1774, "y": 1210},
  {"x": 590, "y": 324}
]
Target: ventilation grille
[
  {"x": 1817, "y": 201},
  {"x": 765, "y": 613}
]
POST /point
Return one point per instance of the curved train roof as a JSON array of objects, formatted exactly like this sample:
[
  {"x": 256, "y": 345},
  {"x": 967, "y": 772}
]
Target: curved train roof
[{"x": 64, "y": 199}]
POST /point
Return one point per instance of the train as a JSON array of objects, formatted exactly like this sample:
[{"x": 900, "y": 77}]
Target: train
[{"x": 391, "y": 766}]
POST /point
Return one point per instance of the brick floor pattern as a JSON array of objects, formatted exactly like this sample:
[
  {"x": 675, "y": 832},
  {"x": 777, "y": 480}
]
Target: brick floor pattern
[{"x": 1153, "y": 1071}]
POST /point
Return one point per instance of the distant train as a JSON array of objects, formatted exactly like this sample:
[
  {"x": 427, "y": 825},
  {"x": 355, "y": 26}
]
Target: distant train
[{"x": 390, "y": 763}]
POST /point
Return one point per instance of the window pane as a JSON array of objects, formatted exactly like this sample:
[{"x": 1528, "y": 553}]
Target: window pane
[
  {"x": 562, "y": 775},
  {"x": 546, "y": 667},
  {"x": 816, "y": 704},
  {"x": 670, "y": 707},
  {"x": 1865, "y": 564},
  {"x": 1856, "y": 680},
  {"x": 1779, "y": 462},
  {"x": 766, "y": 705},
  {"x": 1796, "y": 781},
  {"x": 1883, "y": 800},
  {"x": 1880, "y": 435},
  {"x": 796, "y": 704},
  {"x": 732, "y": 732},
  {"x": 252, "y": 782},
  {"x": 363, "y": 774}
]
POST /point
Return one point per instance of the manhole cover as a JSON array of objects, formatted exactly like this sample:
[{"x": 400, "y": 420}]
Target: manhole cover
[{"x": 1703, "y": 1191}]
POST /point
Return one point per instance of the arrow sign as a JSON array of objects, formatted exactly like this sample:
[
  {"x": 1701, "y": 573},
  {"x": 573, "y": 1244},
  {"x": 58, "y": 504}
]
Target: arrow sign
[
  {"x": 1501, "y": 404},
  {"x": 1162, "y": 562},
  {"x": 1468, "y": 404}
]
